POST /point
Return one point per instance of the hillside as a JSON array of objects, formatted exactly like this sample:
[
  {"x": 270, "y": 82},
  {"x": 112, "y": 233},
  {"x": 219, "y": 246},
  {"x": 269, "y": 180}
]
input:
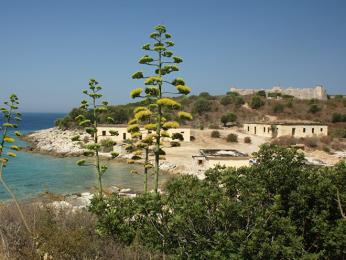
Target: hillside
[{"x": 208, "y": 110}]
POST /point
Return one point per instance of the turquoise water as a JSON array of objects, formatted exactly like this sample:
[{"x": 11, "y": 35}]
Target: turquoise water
[{"x": 31, "y": 174}]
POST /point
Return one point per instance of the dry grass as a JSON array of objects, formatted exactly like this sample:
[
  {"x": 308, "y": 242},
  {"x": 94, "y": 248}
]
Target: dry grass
[{"x": 60, "y": 235}]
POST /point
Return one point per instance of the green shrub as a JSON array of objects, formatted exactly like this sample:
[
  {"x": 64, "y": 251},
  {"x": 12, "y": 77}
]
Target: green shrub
[
  {"x": 247, "y": 140},
  {"x": 287, "y": 96},
  {"x": 215, "y": 134},
  {"x": 228, "y": 118},
  {"x": 201, "y": 106},
  {"x": 261, "y": 93},
  {"x": 175, "y": 144},
  {"x": 232, "y": 138},
  {"x": 226, "y": 100},
  {"x": 239, "y": 101},
  {"x": 256, "y": 102},
  {"x": 205, "y": 95},
  {"x": 274, "y": 94},
  {"x": 247, "y": 213}
]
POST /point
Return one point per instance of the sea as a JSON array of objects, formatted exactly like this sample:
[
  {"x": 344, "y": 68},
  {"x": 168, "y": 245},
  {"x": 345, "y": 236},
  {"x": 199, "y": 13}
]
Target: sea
[{"x": 30, "y": 174}]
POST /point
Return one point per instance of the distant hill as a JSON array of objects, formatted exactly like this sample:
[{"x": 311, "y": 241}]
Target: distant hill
[{"x": 208, "y": 110}]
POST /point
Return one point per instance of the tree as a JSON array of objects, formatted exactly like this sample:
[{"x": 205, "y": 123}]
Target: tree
[
  {"x": 232, "y": 138},
  {"x": 228, "y": 118},
  {"x": 156, "y": 92},
  {"x": 10, "y": 120},
  {"x": 226, "y": 100},
  {"x": 201, "y": 106},
  {"x": 262, "y": 93},
  {"x": 256, "y": 102},
  {"x": 94, "y": 146}
]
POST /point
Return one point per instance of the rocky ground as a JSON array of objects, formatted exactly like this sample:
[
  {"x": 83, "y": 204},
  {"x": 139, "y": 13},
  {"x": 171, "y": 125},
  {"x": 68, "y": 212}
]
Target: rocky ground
[{"x": 55, "y": 141}]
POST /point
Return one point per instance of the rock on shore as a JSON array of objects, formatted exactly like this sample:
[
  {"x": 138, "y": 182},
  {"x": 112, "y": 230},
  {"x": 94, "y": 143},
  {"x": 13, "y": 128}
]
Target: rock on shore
[{"x": 55, "y": 141}]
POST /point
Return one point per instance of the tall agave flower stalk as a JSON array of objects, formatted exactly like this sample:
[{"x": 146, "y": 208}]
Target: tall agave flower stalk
[
  {"x": 159, "y": 89},
  {"x": 11, "y": 118},
  {"x": 94, "y": 108},
  {"x": 142, "y": 141}
]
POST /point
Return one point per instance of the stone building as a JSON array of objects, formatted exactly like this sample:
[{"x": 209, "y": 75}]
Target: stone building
[
  {"x": 209, "y": 158},
  {"x": 294, "y": 128},
  {"x": 123, "y": 134},
  {"x": 317, "y": 92}
]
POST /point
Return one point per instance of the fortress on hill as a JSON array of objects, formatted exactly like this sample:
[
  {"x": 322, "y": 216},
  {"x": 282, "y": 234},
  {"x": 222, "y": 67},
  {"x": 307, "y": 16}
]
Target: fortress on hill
[{"x": 317, "y": 92}]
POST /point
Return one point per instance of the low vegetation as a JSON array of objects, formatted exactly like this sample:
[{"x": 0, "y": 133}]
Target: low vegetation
[
  {"x": 215, "y": 134},
  {"x": 232, "y": 138},
  {"x": 207, "y": 110},
  {"x": 279, "y": 208}
]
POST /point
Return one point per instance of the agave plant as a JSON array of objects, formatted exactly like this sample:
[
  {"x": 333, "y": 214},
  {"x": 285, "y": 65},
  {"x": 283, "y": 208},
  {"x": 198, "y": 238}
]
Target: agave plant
[
  {"x": 93, "y": 147},
  {"x": 159, "y": 89},
  {"x": 10, "y": 119}
]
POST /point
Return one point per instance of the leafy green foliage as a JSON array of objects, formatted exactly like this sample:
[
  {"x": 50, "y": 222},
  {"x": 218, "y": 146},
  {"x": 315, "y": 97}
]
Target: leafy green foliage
[
  {"x": 232, "y": 138},
  {"x": 201, "y": 105},
  {"x": 228, "y": 118},
  {"x": 256, "y": 102},
  {"x": 215, "y": 134},
  {"x": 261, "y": 93},
  {"x": 279, "y": 208}
]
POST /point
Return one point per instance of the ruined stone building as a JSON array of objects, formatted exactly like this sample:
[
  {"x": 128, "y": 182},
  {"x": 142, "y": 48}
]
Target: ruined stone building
[{"x": 317, "y": 92}]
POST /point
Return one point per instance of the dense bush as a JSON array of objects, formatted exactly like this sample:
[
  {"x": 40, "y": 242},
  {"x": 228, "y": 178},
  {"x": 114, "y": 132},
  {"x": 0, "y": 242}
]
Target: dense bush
[
  {"x": 228, "y": 118},
  {"x": 201, "y": 106},
  {"x": 206, "y": 95},
  {"x": 261, "y": 93},
  {"x": 247, "y": 139},
  {"x": 256, "y": 102},
  {"x": 274, "y": 94},
  {"x": 226, "y": 100},
  {"x": 279, "y": 208},
  {"x": 215, "y": 134},
  {"x": 232, "y": 138},
  {"x": 175, "y": 144}
]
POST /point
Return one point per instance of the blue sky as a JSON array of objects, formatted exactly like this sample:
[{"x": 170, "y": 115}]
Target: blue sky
[{"x": 49, "y": 49}]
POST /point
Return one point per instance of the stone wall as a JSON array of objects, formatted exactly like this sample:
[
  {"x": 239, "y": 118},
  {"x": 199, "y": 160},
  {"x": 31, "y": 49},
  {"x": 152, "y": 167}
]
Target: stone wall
[{"x": 317, "y": 92}]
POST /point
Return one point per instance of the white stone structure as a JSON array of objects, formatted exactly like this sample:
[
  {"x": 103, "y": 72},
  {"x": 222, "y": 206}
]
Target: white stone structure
[
  {"x": 209, "y": 158},
  {"x": 123, "y": 134},
  {"x": 295, "y": 129},
  {"x": 317, "y": 92}
]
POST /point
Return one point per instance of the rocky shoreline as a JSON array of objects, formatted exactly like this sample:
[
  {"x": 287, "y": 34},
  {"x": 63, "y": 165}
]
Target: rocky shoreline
[
  {"x": 55, "y": 142},
  {"x": 58, "y": 143}
]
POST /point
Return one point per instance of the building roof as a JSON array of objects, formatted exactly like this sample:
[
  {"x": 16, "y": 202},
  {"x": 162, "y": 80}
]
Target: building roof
[{"x": 287, "y": 122}]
